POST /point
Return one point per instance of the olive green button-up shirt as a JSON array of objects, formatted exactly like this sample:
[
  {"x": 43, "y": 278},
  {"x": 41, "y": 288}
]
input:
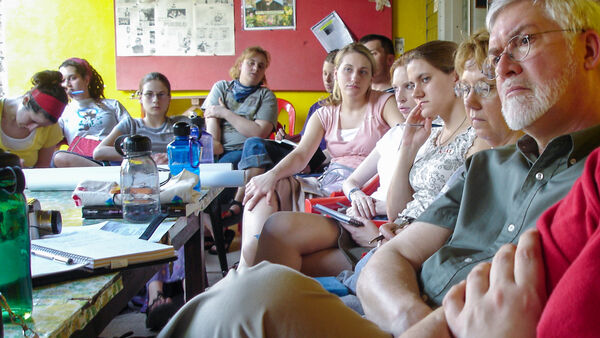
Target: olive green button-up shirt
[{"x": 500, "y": 195}]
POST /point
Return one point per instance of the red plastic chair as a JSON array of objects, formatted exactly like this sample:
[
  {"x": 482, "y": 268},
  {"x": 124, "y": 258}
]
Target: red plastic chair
[{"x": 284, "y": 105}]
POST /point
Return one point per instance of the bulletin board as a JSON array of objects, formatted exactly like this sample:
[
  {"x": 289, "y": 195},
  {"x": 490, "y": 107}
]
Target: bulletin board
[{"x": 296, "y": 55}]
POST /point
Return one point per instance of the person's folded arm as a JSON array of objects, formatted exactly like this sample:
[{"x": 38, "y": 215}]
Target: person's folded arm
[
  {"x": 44, "y": 157},
  {"x": 388, "y": 287},
  {"x": 106, "y": 151},
  {"x": 246, "y": 127},
  {"x": 213, "y": 127}
]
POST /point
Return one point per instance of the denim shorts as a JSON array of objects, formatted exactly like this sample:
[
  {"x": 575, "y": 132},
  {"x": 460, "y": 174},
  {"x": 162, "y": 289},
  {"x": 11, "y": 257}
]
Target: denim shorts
[{"x": 261, "y": 153}]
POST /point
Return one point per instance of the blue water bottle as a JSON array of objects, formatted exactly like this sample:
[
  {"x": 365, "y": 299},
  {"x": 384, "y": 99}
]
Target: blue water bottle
[
  {"x": 206, "y": 140},
  {"x": 183, "y": 152}
]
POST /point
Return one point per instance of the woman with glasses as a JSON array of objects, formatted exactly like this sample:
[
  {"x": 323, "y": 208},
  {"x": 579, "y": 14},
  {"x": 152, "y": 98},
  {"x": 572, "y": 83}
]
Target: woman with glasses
[
  {"x": 479, "y": 93},
  {"x": 155, "y": 97},
  {"x": 164, "y": 290},
  {"x": 88, "y": 118},
  {"x": 353, "y": 119},
  {"x": 28, "y": 123},
  {"x": 423, "y": 159}
]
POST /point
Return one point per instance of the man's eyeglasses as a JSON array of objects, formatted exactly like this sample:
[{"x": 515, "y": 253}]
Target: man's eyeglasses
[
  {"x": 517, "y": 49},
  {"x": 151, "y": 95},
  {"x": 481, "y": 88}
]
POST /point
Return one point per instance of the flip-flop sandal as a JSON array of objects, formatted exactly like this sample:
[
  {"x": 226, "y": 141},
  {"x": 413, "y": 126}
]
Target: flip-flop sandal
[
  {"x": 229, "y": 217},
  {"x": 158, "y": 315},
  {"x": 208, "y": 242}
]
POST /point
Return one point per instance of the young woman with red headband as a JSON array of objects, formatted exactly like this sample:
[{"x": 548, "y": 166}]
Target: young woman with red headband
[
  {"x": 28, "y": 122},
  {"x": 88, "y": 118}
]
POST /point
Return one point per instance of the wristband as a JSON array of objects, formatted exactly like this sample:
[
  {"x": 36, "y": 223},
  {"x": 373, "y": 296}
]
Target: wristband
[{"x": 350, "y": 193}]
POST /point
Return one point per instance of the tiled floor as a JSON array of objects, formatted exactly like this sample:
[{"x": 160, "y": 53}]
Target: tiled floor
[{"x": 135, "y": 322}]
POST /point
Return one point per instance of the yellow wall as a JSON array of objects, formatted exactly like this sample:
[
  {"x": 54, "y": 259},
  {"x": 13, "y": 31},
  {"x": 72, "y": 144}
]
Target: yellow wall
[
  {"x": 40, "y": 34},
  {"x": 409, "y": 22}
]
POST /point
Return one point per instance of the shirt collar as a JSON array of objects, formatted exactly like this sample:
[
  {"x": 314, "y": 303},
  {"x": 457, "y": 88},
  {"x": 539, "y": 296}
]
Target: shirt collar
[{"x": 576, "y": 145}]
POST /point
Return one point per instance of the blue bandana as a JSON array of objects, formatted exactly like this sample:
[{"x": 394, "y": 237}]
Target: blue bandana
[{"x": 241, "y": 92}]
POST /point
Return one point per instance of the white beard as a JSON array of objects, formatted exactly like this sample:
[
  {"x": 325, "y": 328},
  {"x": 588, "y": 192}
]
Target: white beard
[{"x": 520, "y": 111}]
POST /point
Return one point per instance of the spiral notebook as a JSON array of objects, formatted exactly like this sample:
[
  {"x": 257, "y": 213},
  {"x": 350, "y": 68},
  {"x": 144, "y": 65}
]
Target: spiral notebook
[{"x": 94, "y": 248}]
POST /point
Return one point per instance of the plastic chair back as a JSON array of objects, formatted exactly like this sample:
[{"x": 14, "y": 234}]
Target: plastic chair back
[{"x": 291, "y": 112}]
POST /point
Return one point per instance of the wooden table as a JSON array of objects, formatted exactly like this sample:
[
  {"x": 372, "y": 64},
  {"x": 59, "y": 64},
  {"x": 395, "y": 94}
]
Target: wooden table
[{"x": 84, "y": 307}]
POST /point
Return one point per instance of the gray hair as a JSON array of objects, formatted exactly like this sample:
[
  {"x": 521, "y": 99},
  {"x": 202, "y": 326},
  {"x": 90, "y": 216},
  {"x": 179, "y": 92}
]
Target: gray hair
[{"x": 568, "y": 14}]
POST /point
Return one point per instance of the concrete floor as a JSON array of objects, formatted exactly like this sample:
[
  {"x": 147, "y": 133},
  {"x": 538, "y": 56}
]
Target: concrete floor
[{"x": 133, "y": 323}]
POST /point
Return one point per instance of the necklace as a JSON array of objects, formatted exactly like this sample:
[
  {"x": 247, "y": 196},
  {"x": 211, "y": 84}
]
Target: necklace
[{"x": 440, "y": 142}]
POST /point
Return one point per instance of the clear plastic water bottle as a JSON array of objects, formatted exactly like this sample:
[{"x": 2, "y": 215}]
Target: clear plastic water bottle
[
  {"x": 140, "y": 190},
  {"x": 206, "y": 140},
  {"x": 195, "y": 137},
  {"x": 15, "y": 246},
  {"x": 183, "y": 153}
]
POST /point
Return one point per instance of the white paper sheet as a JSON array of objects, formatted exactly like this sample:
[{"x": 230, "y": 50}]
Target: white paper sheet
[{"x": 211, "y": 175}]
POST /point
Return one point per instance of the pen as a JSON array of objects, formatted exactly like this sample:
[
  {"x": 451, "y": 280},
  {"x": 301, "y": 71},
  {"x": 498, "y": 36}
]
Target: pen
[
  {"x": 434, "y": 125},
  {"x": 396, "y": 227},
  {"x": 53, "y": 257},
  {"x": 77, "y": 92}
]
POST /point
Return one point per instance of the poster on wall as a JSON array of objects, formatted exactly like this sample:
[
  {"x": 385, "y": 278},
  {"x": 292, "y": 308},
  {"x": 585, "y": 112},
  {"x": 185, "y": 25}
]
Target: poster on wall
[
  {"x": 174, "y": 27},
  {"x": 269, "y": 14}
]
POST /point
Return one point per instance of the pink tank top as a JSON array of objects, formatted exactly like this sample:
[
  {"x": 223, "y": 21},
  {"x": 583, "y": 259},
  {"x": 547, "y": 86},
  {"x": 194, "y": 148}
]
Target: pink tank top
[{"x": 353, "y": 152}]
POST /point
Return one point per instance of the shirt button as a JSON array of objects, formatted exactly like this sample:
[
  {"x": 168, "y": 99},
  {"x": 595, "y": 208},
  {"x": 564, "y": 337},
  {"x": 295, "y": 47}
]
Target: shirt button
[
  {"x": 511, "y": 227},
  {"x": 539, "y": 176},
  {"x": 572, "y": 161},
  {"x": 468, "y": 260}
]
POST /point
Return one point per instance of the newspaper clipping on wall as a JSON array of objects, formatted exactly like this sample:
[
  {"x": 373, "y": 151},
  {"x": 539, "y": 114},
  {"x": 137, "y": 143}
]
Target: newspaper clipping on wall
[{"x": 174, "y": 27}]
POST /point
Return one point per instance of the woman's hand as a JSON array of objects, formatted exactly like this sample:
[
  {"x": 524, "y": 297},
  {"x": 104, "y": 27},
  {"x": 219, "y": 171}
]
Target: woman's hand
[
  {"x": 160, "y": 158},
  {"x": 362, "y": 205},
  {"x": 217, "y": 111},
  {"x": 416, "y": 129},
  {"x": 389, "y": 230},
  {"x": 259, "y": 186},
  {"x": 364, "y": 234},
  {"x": 280, "y": 134}
]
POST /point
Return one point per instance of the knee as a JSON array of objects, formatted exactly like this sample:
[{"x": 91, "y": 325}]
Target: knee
[
  {"x": 254, "y": 141},
  {"x": 276, "y": 224}
]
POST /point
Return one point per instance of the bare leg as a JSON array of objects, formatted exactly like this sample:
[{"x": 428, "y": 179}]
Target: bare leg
[
  {"x": 205, "y": 219},
  {"x": 248, "y": 174},
  {"x": 253, "y": 221},
  {"x": 239, "y": 194},
  {"x": 64, "y": 159},
  {"x": 328, "y": 262},
  {"x": 154, "y": 288},
  {"x": 305, "y": 242}
]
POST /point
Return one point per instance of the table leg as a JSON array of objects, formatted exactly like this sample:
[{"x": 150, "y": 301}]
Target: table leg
[
  {"x": 195, "y": 263},
  {"x": 217, "y": 227}
]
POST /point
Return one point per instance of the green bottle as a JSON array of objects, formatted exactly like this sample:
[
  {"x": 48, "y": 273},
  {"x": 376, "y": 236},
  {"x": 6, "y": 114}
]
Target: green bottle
[{"x": 15, "y": 244}]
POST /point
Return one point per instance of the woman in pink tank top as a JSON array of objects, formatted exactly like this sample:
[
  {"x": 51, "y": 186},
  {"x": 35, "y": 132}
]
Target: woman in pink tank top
[{"x": 352, "y": 121}]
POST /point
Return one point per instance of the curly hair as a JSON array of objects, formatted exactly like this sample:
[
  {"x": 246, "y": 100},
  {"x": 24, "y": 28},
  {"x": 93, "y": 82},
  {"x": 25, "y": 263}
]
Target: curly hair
[{"x": 84, "y": 69}]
